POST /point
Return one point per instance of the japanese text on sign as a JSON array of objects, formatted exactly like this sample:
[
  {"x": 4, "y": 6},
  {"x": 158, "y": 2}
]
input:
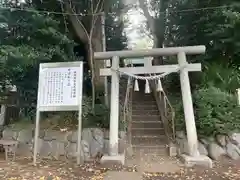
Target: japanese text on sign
[{"x": 59, "y": 86}]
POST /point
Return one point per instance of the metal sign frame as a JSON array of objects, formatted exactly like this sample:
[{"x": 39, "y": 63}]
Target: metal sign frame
[{"x": 77, "y": 107}]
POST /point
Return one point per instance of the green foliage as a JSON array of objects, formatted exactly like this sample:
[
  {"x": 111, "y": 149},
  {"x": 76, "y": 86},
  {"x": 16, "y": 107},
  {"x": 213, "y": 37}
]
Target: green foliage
[
  {"x": 98, "y": 117},
  {"x": 27, "y": 39},
  {"x": 220, "y": 76},
  {"x": 200, "y": 22},
  {"x": 115, "y": 37},
  {"x": 190, "y": 23},
  {"x": 216, "y": 112}
]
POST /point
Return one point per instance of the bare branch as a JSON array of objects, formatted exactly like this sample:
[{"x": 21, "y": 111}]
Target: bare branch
[
  {"x": 98, "y": 4},
  {"x": 77, "y": 24},
  {"x": 64, "y": 17},
  {"x": 93, "y": 23}
]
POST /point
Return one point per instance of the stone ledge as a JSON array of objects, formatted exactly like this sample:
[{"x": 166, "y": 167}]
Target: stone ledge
[
  {"x": 172, "y": 149},
  {"x": 201, "y": 160},
  {"x": 118, "y": 159},
  {"x": 53, "y": 143},
  {"x": 213, "y": 147}
]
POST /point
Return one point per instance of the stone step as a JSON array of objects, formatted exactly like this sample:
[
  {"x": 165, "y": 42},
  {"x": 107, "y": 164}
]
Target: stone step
[
  {"x": 146, "y": 112},
  {"x": 143, "y": 97},
  {"x": 149, "y": 141},
  {"x": 142, "y": 117},
  {"x": 147, "y": 131},
  {"x": 142, "y": 102},
  {"x": 153, "y": 150},
  {"x": 145, "y": 107},
  {"x": 147, "y": 124}
]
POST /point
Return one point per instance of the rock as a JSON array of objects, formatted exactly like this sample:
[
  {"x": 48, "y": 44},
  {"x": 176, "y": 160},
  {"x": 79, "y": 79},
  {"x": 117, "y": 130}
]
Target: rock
[
  {"x": 106, "y": 146},
  {"x": 10, "y": 134},
  {"x": 41, "y": 133},
  {"x": 57, "y": 148},
  {"x": 71, "y": 150},
  {"x": 183, "y": 146},
  {"x": 25, "y": 149},
  {"x": 180, "y": 135},
  {"x": 86, "y": 150},
  {"x": 215, "y": 151},
  {"x": 25, "y": 136},
  {"x": 87, "y": 135},
  {"x": 55, "y": 143},
  {"x": 122, "y": 135},
  {"x": 204, "y": 142},
  {"x": 1, "y": 130},
  {"x": 121, "y": 146},
  {"x": 40, "y": 142},
  {"x": 55, "y": 135},
  {"x": 202, "y": 149},
  {"x": 97, "y": 143},
  {"x": 233, "y": 151},
  {"x": 72, "y": 136},
  {"x": 235, "y": 138},
  {"x": 221, "y": 140},
  {"x": 106, "y": 134},
  {"x": 210, "y": 139},
  {"x": 98, "y": 135},
  {"x": 62, "y": 136},
  {"x": 129, "y": 151},
  {"x": 45, "y": 149}
]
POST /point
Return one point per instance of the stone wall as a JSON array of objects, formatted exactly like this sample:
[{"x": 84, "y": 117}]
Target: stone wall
[
  {"x": 222, "y": 145},
  {"x": 52, "y": 143}
]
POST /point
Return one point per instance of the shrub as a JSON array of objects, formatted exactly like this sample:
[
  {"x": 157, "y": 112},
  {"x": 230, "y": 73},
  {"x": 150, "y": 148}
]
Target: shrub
[
  {"x": 99, "y": 117},
  {"x": 216, "y": 112},
  {"x": 220, "y": 76}
]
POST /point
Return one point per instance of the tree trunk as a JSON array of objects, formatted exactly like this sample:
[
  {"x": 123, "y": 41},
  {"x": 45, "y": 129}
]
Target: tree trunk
[
  {"x": 158, "y": 36},
  {"x": 98, "y": 47},
  {"x": 83, "y": 35}
]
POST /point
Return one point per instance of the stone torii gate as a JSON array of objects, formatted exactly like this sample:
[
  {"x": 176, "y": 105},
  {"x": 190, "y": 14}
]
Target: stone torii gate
[{"x": 193, "y": 157}]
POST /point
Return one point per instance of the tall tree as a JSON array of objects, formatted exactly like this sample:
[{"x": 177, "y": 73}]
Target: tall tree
[
  {"x": 211, "y": 23},
  {"x": 83, "y": 20},
  {"x": 27, "y": 39}
]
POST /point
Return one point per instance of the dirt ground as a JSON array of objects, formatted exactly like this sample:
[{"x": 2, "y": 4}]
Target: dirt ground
[
  {"x": 22, "y": 169},
  {"x": 223, "y": 170}
]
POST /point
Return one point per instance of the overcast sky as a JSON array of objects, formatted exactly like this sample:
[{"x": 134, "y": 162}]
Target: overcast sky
[
  {"x": 137, "y": 39},
  {"x": 135, "y": 24}
]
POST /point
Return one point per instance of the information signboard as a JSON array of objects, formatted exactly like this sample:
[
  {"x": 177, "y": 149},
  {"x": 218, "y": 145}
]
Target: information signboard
[{"x": 60, "y": 89}]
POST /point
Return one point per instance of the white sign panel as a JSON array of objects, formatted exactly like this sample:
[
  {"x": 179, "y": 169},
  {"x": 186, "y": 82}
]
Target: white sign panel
[
  {"x": 60, "y": 86},
  {"x": 60, "y": 89}
]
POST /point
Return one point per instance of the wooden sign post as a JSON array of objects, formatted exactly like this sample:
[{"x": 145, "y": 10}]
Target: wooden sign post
[{"x": 60, "y": 89}]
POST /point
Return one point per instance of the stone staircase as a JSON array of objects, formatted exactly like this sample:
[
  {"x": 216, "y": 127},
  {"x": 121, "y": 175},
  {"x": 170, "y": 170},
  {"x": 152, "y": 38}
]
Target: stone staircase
[
  {"x": 147, "y": 130},
  {"x": 148, "y": 139}
]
